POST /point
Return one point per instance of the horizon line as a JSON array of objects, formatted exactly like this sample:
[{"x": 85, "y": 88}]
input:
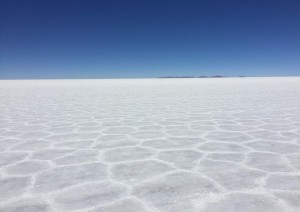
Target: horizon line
[{"x": 163, "y": 77}]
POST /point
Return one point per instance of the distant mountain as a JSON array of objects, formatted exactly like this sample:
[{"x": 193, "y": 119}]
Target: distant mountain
[{"x": 215, "y": 76}]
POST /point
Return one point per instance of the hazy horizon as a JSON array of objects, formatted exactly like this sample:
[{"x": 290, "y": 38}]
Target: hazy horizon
[
  {"x": 159, "y": 77},
  {"x": 167, "y": 77}
]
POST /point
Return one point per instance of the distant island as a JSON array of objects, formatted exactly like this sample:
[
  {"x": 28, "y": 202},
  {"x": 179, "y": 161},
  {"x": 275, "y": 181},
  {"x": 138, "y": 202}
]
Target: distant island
[{"x": 215, "y": 76}]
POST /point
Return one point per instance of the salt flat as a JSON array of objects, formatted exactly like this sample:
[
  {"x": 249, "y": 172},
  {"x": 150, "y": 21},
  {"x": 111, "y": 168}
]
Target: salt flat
[{"x": 177, "y": 145}]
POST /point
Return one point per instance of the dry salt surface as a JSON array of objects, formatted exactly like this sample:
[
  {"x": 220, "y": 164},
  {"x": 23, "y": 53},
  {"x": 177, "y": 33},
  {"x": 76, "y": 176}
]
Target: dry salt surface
[{"x": 176, "y": 145}]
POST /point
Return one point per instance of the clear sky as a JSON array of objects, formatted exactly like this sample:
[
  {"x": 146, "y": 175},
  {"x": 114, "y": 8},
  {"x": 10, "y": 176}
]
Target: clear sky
[{"x": 148, "y": 38}]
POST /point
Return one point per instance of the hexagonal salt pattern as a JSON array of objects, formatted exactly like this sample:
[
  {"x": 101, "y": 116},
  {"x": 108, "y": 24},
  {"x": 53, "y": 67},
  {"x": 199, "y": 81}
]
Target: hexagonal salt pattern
[{"x": 174, "y": 145}]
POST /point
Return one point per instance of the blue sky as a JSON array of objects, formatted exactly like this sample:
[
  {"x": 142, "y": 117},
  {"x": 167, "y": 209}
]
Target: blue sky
[{"x": 148, "y": 38}]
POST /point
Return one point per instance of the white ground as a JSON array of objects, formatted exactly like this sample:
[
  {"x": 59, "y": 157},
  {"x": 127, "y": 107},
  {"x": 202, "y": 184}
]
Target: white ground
[{"x": 177, "y": 145}]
